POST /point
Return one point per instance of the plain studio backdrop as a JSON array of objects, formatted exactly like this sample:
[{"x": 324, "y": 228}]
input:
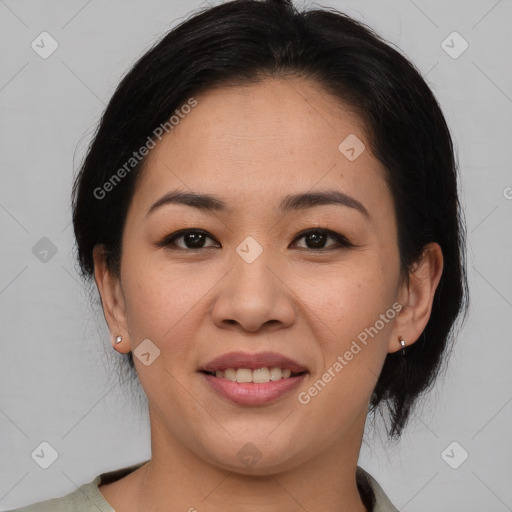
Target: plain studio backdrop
[{"x": 58, "y": 384}]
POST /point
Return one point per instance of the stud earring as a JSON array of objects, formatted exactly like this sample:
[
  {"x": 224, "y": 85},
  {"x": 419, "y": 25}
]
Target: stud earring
[
  {"x": 119, "y": 339},
  {"x": 402, "y": 342}
]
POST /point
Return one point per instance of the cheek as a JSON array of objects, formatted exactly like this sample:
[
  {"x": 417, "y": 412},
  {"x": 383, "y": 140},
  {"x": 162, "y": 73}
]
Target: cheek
[
  {"x": 346, "y": 301},
  {"x": 159, "y": 301},
  {"x": 160, "y": 306},
  {"x": 354, "y": 319}
]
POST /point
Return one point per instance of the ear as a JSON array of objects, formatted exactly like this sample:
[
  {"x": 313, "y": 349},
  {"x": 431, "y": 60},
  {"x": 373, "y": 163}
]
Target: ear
[
  {"x": 112, "y": 299},
  {"x": 417, "y": 296}
]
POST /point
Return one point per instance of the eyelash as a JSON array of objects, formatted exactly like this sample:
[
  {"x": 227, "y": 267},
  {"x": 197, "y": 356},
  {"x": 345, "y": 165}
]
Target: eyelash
[{"x": 342, "y": 241}]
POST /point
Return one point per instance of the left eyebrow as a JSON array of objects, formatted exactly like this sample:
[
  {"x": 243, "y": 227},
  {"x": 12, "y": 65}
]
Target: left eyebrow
[
  {"x": 322, "y": 197},
  {"x": 291, "y": 202}
]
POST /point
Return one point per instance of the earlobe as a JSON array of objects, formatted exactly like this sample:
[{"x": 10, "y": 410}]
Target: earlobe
[
  {"x": 418, "y": 297},
  {"x": 112, "y": 300}
]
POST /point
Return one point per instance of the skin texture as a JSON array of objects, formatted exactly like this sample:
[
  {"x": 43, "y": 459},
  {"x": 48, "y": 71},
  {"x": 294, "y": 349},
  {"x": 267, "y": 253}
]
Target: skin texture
[{"x": 250, "y": 146}]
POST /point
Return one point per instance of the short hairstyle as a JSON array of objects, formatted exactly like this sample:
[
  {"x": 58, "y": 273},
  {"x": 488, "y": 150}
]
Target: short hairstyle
[{"x": 243, "y": 42}]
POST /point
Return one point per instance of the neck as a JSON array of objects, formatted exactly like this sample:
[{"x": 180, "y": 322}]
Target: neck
[{"x": 175, "y": 475}]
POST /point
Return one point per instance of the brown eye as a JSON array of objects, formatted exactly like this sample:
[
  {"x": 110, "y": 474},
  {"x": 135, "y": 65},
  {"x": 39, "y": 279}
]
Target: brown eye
[
  {"x": 317, "y": 238},
  {"x": 192, "y": 239}
]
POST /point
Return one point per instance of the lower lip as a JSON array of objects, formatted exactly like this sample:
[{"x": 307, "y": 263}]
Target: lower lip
[{"x": 251, "y": 393}]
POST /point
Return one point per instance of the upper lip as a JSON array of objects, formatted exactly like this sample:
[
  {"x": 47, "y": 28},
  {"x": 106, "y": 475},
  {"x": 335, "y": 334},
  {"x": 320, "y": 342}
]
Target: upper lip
[{"x": 252, "y": 362}]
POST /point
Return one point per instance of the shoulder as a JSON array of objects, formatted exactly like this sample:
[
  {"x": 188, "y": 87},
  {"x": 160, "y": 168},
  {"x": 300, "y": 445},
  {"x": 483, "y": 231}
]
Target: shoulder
[
  {"x": 84, "y": 499},
  {"x": 379, "y": 500}
]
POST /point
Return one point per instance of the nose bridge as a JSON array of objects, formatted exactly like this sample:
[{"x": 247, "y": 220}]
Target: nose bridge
[
  {"x": 253, "y": 282},
  {"x": 251, "y": 294}
]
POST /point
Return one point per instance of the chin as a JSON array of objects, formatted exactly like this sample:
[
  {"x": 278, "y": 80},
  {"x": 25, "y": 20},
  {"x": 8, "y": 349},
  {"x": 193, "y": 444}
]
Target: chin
[{"x": 260, "y": 456}]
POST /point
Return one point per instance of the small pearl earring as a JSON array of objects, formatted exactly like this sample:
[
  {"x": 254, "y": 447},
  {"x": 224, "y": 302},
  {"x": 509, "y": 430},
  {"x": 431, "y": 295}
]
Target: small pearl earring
[
  {"x": 119, "y": 339},
  {"x": 402, "y": 342}
]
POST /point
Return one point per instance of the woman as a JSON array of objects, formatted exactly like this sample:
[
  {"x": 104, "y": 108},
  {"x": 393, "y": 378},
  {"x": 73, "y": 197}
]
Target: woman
[{"x": 269, "y": 210}]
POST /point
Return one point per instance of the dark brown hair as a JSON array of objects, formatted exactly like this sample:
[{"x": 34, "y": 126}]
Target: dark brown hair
[{"x": 245, "y": 41}]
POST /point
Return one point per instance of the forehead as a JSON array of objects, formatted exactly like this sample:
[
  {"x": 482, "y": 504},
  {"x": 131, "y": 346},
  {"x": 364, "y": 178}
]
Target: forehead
[
  {"x": 262, "y": 140},
  {"x": 276, "y": 118}
]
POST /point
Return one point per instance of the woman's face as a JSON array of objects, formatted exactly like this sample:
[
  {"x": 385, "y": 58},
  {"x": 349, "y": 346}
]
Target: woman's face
[{"x": 255, "y": 283}]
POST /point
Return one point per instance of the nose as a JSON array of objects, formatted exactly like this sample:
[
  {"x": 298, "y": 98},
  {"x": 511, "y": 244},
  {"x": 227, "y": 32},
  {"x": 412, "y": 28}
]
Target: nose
[{"x": 254, "y": 296}]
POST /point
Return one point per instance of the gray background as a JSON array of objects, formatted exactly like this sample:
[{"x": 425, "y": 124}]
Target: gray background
[{"x": 57, "y": 374}]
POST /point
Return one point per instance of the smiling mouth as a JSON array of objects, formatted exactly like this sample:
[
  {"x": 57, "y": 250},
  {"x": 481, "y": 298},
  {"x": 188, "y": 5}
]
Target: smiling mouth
[{"x": 256, "y": 376}]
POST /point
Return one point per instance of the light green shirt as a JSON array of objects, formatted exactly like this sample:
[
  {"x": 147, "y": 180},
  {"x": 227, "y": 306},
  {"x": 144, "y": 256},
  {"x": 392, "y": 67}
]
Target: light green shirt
[{"x": 88, "y": 498}]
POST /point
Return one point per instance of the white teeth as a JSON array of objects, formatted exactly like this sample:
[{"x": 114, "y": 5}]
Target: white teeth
[
  {"x": 243, "y": 375},
  {"x": 230, "y": 374},
  {"x": 259, "y": 376},
  {"x": 276, "y": 373}
]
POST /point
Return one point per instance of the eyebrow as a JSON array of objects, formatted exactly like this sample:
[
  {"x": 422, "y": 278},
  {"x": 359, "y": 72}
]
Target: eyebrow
[{"x": 291, "y": 202}]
